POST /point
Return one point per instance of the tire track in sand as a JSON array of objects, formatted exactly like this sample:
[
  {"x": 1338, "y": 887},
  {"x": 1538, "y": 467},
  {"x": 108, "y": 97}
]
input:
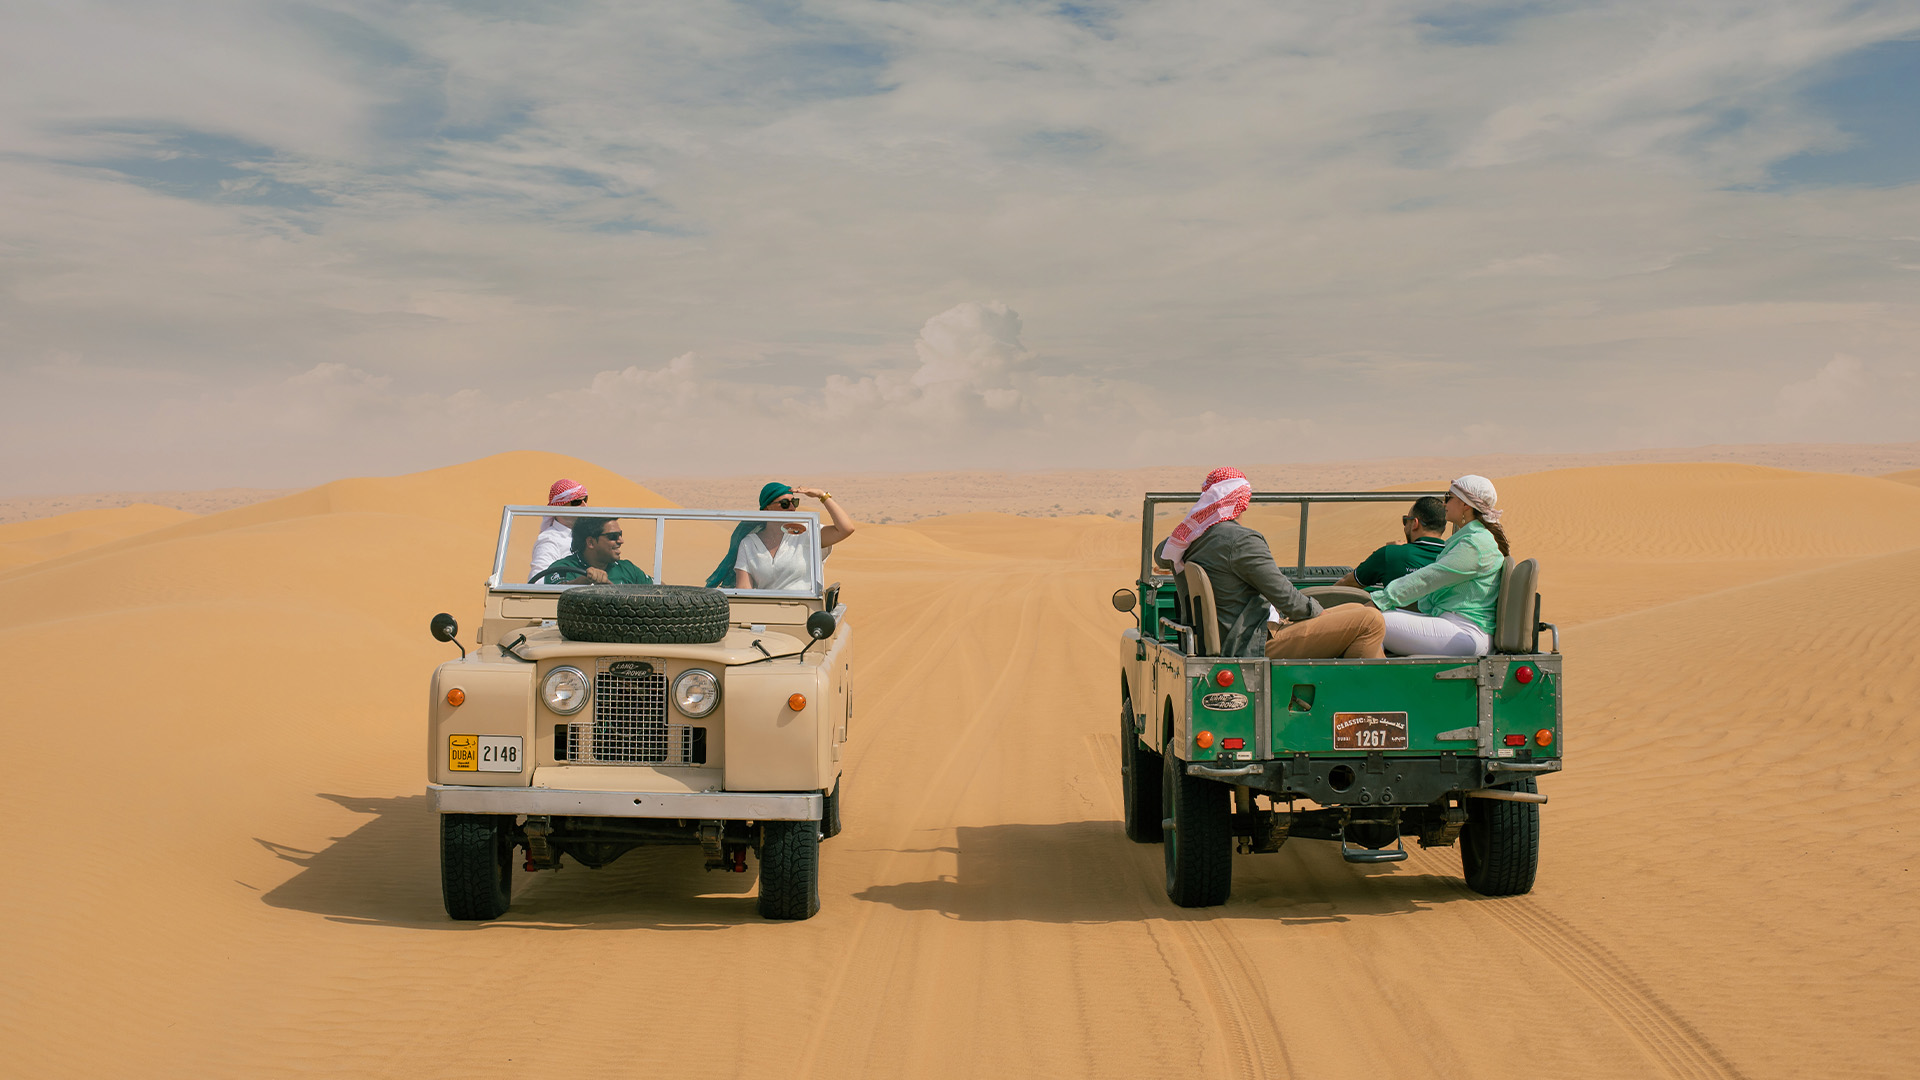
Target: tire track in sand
[
  {"x": 1665, "y": 1036},
  {"x": 1241, "y": 1012}
]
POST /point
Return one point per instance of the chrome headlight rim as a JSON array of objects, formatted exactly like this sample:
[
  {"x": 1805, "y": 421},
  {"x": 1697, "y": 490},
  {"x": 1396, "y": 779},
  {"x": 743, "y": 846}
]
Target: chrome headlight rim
[
  {"x": 546, "y": 690},
  {"x": 713, "y": 685}
]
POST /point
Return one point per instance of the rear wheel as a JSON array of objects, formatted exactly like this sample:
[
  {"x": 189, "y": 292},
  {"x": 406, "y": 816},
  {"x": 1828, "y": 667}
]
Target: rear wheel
[
  {"x": 789, "y": 869},
  {"x": 1198, "y": 843},
  {"x": 1500, "y": 845},
  {"x": 1139, "y": 781},
  {"x": 476, "y": 865}
]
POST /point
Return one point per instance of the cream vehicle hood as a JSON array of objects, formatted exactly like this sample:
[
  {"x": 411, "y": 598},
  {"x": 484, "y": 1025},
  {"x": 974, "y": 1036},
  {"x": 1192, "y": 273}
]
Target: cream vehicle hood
[{"x": 545, "y": 643}]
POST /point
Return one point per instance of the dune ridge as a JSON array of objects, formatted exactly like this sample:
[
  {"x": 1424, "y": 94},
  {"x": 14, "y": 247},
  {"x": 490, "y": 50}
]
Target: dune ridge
[{"x": 222, "y": 716}]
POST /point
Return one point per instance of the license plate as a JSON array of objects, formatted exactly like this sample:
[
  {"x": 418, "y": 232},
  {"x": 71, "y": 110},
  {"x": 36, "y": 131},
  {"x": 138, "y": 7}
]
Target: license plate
[
  {"x": 1370, "y": 731},
  {"x": 484, "y": 753}
]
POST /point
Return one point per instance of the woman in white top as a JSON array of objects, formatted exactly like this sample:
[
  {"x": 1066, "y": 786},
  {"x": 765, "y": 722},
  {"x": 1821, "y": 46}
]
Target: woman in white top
[
  {"x": 772, "y": 557},
  {"x": 556, "y": 533}
]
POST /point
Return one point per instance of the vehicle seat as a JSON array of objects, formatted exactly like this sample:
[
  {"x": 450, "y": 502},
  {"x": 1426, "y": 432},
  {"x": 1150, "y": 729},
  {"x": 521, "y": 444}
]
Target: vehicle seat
[
  {"x": 1335, "y": 595},
  {"x": 1516, "y": 619},
  {"x": 1206, "y": 617}
]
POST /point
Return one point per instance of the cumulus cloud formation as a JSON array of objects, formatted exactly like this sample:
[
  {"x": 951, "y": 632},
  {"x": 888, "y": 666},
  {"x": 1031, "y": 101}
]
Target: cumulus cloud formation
[{"x": 267, "y": 242}]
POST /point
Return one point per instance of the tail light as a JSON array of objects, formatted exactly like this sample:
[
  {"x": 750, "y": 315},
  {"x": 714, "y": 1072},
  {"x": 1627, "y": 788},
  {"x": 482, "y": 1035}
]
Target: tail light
[{"x": 1516, "y": 740}]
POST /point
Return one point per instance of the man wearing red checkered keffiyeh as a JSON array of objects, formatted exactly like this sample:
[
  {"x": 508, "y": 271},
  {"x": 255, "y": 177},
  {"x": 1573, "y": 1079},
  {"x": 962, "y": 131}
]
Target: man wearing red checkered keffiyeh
[
  {"x": 556, "y": 533},
  {"x": 1246, "y": 581}
]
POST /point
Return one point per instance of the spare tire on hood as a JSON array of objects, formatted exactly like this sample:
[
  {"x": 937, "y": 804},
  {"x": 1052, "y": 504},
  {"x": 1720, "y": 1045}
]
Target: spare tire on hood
[{"x": 644, "y": 614}]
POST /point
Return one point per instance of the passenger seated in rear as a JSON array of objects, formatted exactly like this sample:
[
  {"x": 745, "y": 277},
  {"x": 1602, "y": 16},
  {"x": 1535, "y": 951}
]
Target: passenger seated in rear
[
  {"x": 1424, "y": 524},
  {"x": 1246, "y": 579},
  {"x": 596, "y": 558},
  {"x": 1455, "y": 595}
]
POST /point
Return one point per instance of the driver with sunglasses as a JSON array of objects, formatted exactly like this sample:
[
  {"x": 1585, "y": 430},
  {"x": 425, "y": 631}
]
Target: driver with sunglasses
[{"x": 596, "y": 558}]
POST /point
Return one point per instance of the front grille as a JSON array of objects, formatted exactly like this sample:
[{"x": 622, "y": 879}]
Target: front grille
[{"x": 629, "y": 725}]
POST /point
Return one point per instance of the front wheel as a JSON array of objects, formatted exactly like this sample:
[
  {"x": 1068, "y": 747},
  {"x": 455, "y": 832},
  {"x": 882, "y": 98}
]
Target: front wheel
[
  {"x": 789, "y": 869},
  {"x": 1500, "y": 846},
  {"x": 476, "y": 865},
  {"x": 1199, "y": 839},
  {"x": 1139, "y": 781}
]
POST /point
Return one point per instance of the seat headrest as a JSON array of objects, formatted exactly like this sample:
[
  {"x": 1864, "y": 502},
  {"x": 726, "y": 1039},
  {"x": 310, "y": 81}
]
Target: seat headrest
[{"x": 1514, "y": 628}]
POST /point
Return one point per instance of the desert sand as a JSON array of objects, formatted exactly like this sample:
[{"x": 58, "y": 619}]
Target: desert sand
[{"x": 226, "y": 867}]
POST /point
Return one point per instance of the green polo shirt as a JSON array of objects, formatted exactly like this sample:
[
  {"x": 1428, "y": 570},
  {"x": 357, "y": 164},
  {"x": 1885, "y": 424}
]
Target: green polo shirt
[
  {"x": 620, "y": 573},
  {"x": 1396, "y": 561}
]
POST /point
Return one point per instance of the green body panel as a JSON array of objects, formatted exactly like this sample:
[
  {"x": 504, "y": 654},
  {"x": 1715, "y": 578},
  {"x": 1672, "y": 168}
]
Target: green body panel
[
  {"x": 1223, "y": 723},
  {"x": 1432, "y": 705}
]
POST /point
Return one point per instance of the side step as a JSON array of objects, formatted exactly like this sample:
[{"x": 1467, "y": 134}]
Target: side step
[{"x": 1364, "y": 855}]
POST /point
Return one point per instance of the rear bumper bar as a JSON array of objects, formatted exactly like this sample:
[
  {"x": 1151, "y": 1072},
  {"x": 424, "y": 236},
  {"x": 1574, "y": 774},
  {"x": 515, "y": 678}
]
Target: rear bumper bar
[
  {"x": 696, "y": 805},
  {"x": 1375, "y": 779}
]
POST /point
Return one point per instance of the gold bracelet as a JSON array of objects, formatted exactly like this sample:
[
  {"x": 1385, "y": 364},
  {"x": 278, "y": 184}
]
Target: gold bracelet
[{"x": 825, "y": 495}]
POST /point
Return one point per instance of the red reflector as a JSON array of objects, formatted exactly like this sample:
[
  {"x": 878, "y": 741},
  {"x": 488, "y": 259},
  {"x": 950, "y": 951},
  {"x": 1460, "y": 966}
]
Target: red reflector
[
  {"x": 1232, "y": 744},
  {"x": 1516, "y": 740},
  {"x": 1223, "y": 677},
  {"x": 1523, "y": 676}
]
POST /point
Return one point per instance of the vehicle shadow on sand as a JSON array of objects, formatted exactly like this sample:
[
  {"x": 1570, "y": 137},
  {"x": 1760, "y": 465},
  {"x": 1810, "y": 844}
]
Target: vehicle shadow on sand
[
  {"x": 387, "y": 873},
  {"x": 1088, "y": 871}
]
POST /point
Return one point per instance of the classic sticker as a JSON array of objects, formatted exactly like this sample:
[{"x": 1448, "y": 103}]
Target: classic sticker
[
  {"x": 1224, "y": 702},
  {"x": 1370, "y": 731}
]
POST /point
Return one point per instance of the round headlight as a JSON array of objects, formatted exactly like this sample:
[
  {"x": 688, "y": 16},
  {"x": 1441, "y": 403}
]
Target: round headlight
[
  {"x": 565, "y": 690},
  {"x": 696, "y": 692}
]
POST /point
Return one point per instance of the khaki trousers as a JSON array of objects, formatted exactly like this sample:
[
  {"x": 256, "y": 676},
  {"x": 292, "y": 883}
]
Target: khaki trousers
[{"x": 1350, "y": 631}]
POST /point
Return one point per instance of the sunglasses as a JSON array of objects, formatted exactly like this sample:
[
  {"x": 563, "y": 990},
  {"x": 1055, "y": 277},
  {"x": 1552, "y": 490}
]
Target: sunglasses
[
  {"x": 578, "y": 502},
  {"x": 1406, "y": 519},
  {"x": 789, "y": 503},
  {"x": 613, "y": 536}
]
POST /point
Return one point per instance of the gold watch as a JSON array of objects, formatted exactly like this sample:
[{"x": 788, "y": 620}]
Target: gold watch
[{"x": 825, "y": 495}]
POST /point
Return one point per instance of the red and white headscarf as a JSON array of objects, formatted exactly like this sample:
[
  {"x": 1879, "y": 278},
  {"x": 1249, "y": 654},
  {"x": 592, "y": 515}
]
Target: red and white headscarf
[
  {"x": 1225, "y": 496},
  {"x": 565, "y": 491}
]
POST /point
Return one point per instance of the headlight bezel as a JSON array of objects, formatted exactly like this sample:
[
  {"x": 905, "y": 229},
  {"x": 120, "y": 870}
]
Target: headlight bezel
[
  {"x": 546, "y": 690},
  {"x": 693, "y": 674}
]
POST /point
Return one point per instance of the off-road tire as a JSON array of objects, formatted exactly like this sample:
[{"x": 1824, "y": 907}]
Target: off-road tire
[
  {"x": 830, "y": 812},
  {"x": 1198, "y": 842},
  {"x": 476, "y": 865},
  {"x": 644, "y": 614},
  {"x": 1139, "y": 781},
  {"x": 1500, "y": 845},
  {"x": 789, "y": 869}
]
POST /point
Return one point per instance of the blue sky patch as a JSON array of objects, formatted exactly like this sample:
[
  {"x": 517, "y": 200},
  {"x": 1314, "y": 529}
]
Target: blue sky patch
[
  {"x": 203, "y": 166},
  {"x": 1873, "y": 96},
  {"x": 1476, "y": 25}
]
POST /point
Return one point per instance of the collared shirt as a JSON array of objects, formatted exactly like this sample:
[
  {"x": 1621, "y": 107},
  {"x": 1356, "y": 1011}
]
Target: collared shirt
[
  {"x": 555, "y": 542},
  {"x": 1397, "y": 561},
  {"x": 1464, "y": 580},
  {"x": 787, "y": 567},
  {"x": 573, "y": 566}
]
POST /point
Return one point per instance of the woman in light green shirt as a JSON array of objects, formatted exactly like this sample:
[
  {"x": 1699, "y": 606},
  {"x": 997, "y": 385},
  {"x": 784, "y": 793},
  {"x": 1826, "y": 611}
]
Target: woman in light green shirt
[{"x": 1454, "y": 597}]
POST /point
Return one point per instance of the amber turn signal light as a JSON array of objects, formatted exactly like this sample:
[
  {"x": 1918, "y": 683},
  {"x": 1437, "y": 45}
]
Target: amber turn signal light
[
  {"x": 797, "y": 702},
  {"x": 456, "y": 696},
  {"x": 1203, "y": 740},
  {"x": 1544, "y": 736},
  {"x": 1223, "y": 677}
]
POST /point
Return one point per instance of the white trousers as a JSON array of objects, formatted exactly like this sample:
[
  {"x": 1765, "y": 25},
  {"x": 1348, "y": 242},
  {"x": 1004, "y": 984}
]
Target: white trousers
[{"x": 1410, "y": 633}]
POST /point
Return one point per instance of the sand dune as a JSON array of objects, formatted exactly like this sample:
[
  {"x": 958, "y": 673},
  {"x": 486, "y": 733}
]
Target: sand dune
[
  {"x": 236, "y": 872},
  {"x": 41, "y": 539},
  {"x": 1910, "y": 476}
]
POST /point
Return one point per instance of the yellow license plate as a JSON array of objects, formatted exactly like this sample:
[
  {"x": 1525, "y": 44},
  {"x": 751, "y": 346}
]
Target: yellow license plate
[{"x": 463, "y": 753}]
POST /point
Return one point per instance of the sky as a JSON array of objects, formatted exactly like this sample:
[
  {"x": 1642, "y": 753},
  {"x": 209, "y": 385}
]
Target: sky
[{"x": 271, "y": 244}]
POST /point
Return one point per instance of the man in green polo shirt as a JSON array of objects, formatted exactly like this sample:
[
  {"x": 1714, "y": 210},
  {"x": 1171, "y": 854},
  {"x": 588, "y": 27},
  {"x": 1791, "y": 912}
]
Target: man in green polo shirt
[
  {"x": 596, "y": 558},
  {"x": 1423, "y": 526}
]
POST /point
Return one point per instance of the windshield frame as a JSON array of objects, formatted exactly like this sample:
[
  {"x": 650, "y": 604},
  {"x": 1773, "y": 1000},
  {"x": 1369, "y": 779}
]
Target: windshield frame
[
  {"x": 659, "y": 516},
  {"x": 1149, "y": 573}
]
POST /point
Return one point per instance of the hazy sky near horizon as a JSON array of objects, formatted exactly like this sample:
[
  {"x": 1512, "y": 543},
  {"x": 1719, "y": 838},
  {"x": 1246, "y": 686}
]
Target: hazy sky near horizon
[{"x": 272, "y": 243}]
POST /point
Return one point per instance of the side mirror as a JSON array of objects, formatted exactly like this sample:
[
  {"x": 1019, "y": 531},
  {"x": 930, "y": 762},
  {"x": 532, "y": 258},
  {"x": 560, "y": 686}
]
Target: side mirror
[
  {"x": 820, "y": 626},
  {"x": 442, "y": 627},
  {"x": 1124, "y": 600}
]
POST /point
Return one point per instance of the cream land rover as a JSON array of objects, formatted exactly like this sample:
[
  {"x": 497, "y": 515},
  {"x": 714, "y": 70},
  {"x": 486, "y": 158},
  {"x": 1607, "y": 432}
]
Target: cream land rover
[{"x": 593, "y": 719}]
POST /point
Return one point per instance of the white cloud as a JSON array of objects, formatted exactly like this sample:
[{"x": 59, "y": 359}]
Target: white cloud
[
  {"x": 1280, "y": 226},
  {"x": 1838, "y": 384}
]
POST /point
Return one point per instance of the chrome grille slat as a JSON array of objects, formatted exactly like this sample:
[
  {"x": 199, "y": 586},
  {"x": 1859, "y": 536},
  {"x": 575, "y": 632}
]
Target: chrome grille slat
[{"x": 629, "y": 725}]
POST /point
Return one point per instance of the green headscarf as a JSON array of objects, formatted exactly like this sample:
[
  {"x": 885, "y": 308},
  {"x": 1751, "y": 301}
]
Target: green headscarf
[{"x": 722, "y": 576}]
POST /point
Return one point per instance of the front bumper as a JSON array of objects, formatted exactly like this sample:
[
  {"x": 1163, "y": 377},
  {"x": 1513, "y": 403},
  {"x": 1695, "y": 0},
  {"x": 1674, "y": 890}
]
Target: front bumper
[{"x": 691, "y": 806}]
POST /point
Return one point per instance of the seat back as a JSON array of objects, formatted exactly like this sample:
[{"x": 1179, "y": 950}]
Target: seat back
[
  {"x": 1515, "y": 610},
  {"x": 1206, "y": 617}
]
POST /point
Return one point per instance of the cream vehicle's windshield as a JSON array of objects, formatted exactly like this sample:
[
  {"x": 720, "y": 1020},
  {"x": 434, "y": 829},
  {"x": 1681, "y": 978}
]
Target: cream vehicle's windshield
[{"x": 779, "y": 551}]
